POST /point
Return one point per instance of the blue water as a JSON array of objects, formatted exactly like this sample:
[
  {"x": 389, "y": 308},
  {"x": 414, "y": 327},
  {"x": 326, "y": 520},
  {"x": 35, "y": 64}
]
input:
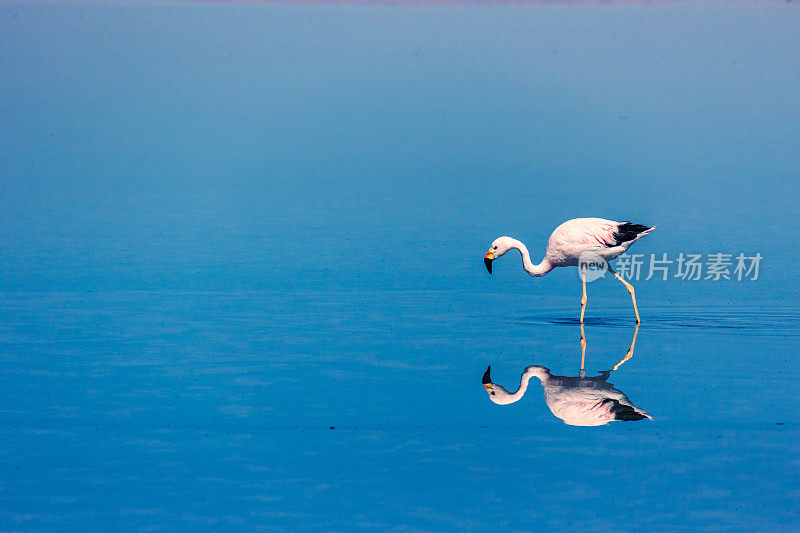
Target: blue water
[{"x": 227, "y": 228}]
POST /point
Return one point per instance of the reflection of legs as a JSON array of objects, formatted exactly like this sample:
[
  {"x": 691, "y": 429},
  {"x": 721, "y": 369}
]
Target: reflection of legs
[
  {"x": 630, "y": 350},
  {"x": 583, "y": 298},
  {"x": 583, "y": 351},
  {"x": 630, "y": 291}
]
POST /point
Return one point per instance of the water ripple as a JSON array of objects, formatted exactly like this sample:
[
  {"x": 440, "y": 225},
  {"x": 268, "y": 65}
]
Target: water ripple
[{"x": 754, "y": 321}]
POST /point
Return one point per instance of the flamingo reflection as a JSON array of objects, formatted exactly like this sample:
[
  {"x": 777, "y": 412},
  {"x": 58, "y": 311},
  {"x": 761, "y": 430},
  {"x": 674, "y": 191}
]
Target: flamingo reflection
[{"x": 578, "y": 401}]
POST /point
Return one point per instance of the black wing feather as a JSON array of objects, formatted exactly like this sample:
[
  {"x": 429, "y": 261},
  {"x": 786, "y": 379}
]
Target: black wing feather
[
  {"x": 627, "y": 232},
  {"x": 623, "y": 412}
]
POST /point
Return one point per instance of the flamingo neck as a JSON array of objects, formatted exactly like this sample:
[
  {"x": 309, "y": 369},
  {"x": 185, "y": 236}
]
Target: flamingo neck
[
  {"x": 523, "y": 387},
  {"x": 534, "y": 270},
  {"x": 504, "y": 397}
]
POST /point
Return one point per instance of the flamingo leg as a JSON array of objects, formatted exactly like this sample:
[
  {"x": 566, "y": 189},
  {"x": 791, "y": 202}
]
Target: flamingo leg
[
  {"x": 583, "y": 298},
  {"x": 630, "y": 291},
  {"x": 629, "y": 354},
  {"x": 583, "y": 351}
]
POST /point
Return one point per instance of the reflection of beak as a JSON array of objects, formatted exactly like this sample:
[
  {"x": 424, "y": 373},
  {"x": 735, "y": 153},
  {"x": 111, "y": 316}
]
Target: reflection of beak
[
  {"x": 487, "y": 381},
  {"x": 487, "y": 260}
]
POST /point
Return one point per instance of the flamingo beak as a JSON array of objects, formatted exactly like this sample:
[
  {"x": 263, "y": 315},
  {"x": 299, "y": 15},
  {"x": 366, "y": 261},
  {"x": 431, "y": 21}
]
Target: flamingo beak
[
  {"x": 487, "y": 381},
  {"x": 487, "y": 260}
]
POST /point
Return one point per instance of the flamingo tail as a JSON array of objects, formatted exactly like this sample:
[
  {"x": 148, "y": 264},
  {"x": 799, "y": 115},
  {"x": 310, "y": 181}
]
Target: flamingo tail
[{"x": 629, "y": 232}]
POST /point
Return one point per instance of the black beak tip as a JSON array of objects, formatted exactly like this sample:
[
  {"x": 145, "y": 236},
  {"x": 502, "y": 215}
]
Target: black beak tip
[
  {"x": 486, "y": 377},
  {"x": 488, "y": 263}
]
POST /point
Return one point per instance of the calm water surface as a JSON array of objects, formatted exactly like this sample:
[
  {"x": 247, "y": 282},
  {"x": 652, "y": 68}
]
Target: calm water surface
[{"x": 242, "y": 282}]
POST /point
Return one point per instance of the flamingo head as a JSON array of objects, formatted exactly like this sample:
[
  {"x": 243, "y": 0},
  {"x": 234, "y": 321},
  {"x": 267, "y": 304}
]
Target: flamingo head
[
  {"x": 497, "y": 394},
  {"x": 501, "y": 396},
  {"x": 499, "y": 247},
  {"x": 487, "y": 381}
]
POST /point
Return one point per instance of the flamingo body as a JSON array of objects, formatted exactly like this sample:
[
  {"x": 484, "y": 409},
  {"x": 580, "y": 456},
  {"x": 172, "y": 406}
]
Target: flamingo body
[
  {"x": 568, "y": 244},
  {"x": 606, "y": 238},
  {"x": 578, "y": 401}
]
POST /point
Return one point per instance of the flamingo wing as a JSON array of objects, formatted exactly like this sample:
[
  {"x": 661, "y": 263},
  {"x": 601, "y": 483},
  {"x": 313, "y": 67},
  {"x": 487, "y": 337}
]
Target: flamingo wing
[
  {"x": 586, "y": 233},
  {"x": 590, "y": 231}
]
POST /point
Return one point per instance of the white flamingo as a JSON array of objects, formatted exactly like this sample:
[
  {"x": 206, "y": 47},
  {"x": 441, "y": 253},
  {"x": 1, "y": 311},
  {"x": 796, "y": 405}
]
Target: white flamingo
[
  {"x": 578, "y": 401},
  {"x": 590, "y": 237}
]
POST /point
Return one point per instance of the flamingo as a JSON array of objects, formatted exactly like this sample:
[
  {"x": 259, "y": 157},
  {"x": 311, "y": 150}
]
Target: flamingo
[
  {"x": 578, "y": 401},
  {"x": 574, "y": 241}
]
